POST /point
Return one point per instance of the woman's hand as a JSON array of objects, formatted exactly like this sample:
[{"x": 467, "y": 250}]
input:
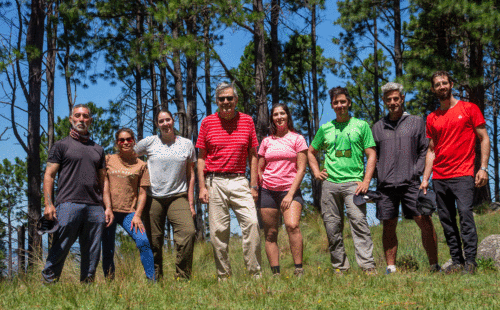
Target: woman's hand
[
  {"x": 137, "y": 223},
  {"x": 286, "y": 202}
]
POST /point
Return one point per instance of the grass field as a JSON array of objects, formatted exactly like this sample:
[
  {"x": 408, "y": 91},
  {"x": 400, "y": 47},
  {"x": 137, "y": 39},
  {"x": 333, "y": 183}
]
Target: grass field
[{"x": 318, "y": 289}]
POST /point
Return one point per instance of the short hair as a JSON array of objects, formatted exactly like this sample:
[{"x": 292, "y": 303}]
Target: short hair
[
  {"x": 334, "y": 92},
  {"x": 224, "y": 85},
  {"x": 81, "y": 105},
  {"x": 441, "y": 73},
  {"x": 164, "y": 110},
  {"x": 392, "y": 86},
  {"x": 272, "y": 126},
  {"x": 124, "y": 129}
]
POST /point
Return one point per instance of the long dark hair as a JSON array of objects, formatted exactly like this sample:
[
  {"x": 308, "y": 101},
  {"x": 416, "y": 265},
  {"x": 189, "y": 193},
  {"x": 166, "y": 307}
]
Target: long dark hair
[{"x": 272, "y": 126}]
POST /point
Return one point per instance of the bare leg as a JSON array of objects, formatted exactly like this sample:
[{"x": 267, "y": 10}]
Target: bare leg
[
  {"x": 270, "y": 219},
  {"x": 429, "y": 238},
  {"x": 390, "y": 241},
  {"x": 292, "y": 219}
]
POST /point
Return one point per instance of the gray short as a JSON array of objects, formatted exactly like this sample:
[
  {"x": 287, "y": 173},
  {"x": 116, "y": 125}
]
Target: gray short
[
  {"x": 392, "y": 197},
  {"x": 273, "y": 199}
]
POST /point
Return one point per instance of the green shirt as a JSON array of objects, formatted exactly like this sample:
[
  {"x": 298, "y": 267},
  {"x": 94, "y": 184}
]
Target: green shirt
[{"x": 354, "y": 135}]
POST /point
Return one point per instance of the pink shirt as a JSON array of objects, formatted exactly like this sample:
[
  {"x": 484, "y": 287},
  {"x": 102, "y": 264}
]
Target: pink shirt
[{"x": 281, "y": 160}]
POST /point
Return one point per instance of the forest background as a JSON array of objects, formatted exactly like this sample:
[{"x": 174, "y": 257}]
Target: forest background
[{"x": 128, "y": 59}]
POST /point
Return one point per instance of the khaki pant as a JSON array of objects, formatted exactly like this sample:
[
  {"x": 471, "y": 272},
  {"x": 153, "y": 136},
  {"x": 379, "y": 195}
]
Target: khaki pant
[
  {"x": 176, "y": 208},
  {"x": 333, "y": 198},
  {"x": 234, "y": 192}
]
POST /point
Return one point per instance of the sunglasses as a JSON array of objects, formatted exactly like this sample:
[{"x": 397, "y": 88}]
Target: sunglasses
[
  {"x": 343, "y": 153},
  {"x": 228, "y": 99},
  {"x": 123, "y": 140}
]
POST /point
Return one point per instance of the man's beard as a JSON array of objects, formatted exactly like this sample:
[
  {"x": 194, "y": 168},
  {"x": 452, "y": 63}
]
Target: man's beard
[
  {"x": 445, "y": 96},
  {"x": 80, "y": 130}
]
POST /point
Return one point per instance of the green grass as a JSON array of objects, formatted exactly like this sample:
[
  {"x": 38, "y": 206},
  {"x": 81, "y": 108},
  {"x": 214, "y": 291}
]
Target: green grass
[{"x": 318, "y": 289}]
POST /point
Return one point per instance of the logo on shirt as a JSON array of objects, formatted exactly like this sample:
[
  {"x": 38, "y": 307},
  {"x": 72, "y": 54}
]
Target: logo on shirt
[{"x": 460, "y": 117}]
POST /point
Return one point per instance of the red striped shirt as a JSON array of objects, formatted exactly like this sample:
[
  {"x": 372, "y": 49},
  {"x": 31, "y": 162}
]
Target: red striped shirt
[{"x": 226, "y": 142}]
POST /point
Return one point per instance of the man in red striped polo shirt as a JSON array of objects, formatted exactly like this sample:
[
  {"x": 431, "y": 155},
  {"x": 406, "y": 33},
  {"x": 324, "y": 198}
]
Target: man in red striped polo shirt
[{"x": 227, "y": 138}]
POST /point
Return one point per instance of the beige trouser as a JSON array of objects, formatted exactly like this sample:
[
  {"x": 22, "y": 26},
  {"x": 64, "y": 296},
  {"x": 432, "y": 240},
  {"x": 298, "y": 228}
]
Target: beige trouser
[{"x": 234, "y": 192}]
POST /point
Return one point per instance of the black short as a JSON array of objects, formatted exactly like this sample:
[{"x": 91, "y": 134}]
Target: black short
[
  {"x": 388, "y": 205},
  {"x": 272, "y": 199}
]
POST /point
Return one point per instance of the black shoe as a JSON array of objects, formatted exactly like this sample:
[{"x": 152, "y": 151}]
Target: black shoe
[
  {"x": 435, "y": 268},
  {"x": 453, "y": 268},
  {"x": 469, "y": 268}
]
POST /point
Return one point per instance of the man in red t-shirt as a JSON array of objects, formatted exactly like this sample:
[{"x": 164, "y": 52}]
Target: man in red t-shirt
[
  {"x": 452, "y": 130},
  {"x": 227, "y": 138}
]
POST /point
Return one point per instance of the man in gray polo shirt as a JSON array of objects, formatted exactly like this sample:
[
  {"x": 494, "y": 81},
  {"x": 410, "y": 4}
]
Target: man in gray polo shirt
[{"x": 401, "y": 145}]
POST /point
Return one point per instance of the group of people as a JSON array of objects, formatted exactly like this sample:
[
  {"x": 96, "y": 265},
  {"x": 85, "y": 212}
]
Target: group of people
[{"x": 96, "y": 191}]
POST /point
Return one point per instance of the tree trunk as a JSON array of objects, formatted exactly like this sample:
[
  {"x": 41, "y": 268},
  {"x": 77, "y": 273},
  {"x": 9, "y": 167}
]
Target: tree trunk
[
  {"x": 375, "y": 70},
  {"x": 260, "y": 73},
  {"x": 177, "y": 74},
  {"x": 476, "y": 95},
  {"x": 51, "y": 69},
  {"x": 495, "y": 144},
  {"x": 191, "y": 77},
  {"x": 9, "y": 229},
  {"x": 275, "y": 51},
  {"x": 21, "y": 249},
  {"x": 206, "y": 40},
  {"x": 34, "y": 41},
  {"x": 138, "y": 78},
  {"x": 316, "y": 184},
  {"x": 398, "y": 54}
]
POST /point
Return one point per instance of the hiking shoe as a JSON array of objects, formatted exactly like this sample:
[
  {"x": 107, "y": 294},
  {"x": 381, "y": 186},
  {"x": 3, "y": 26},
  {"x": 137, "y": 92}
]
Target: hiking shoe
[
  {"x": 257, "y": 276},
  {"x": 370, "y": 271},
  {"x": 299, "y": 272},
  {"x": 435, "y": 268},
  {"x": 453, "y": 268},
  {"x": 388, "y": 271},
  {"x": 340, "y": 272},
  {"x": 469, "y": 268}
]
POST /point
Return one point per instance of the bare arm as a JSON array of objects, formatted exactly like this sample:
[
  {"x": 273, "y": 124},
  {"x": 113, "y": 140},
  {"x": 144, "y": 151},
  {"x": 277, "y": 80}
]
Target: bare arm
[
  {"x": 482, "y": 134},
  {"x": 371, "y": 162},
  {"x": 301, "y": 171},
  {"x": 106, "y": 196},
  {"x": 429, "y": 161},
  {"x": 191, "y": 180},
  {"x": 252, "y": 152},
  {"x": 313, "y": 164},
  {"x": 48, "y": 187},
  {"x": 261, "y": 168},
  {"x": 201, "y": 176},
  {"x": 141, "y": 203}
]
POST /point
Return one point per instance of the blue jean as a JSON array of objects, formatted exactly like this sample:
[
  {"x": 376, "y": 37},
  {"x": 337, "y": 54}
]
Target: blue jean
[
  {"x": 141, "y": 241},
  {"x": 86, "y": 222}
]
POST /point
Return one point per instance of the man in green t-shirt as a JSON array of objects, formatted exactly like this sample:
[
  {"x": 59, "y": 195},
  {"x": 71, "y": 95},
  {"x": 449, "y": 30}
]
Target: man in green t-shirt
[{"x": 346, "y": 139}]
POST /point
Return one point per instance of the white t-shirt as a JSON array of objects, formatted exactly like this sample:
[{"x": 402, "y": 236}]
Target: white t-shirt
[{"x": 167, "y": 164}]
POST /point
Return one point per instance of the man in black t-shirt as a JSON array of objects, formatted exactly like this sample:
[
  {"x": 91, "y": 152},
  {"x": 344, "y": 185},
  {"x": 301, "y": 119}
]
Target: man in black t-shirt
[{"x": 80, "y": 213}]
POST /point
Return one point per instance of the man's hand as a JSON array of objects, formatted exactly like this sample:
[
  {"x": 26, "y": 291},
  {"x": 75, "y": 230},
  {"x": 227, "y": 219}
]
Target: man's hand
[
  {"x": 50, "y": 213},
  {"x": 109, "y": 217},
  {"x": 362, "y": 187},
  {"x": 255, "y": 194},
  {"x": 424, "y": 185},
  {"x": 137, "y": 223},
  {"x": 481, "y": 178},
  {"x": 204, "y": 195},
  {"x": 323, "y": 175}
]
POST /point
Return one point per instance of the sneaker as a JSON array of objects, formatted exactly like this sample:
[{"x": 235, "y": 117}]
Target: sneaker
[
  {"x": 257, "y": 276},
  {"x": 388, "y": 271},
  {"x": 370, "y": 271},
  {"x": 299, "y": 272},
  {"x": 435, "y": 268},
  {"x": 222, "y": 279},
  {"x": 453, "y": 268},
  {"x": 469, "y": 268}
]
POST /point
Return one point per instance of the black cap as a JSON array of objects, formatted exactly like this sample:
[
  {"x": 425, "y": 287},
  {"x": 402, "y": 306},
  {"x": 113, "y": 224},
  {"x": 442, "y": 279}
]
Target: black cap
[
  {"x": 369, "y": 196},
  {"x": 46, "y": 226},
  {"x": 426, "y": 203}
]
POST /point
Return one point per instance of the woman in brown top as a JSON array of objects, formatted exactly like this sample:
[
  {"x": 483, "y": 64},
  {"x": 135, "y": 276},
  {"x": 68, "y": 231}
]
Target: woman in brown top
[{"x": 127, "y": 179}]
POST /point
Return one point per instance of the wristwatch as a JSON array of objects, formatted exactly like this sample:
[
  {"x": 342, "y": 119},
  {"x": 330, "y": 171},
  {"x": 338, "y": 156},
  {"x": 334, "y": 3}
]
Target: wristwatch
[
  {"x": 484, "y": 169},
  {"x": 255, "y": 187}
]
